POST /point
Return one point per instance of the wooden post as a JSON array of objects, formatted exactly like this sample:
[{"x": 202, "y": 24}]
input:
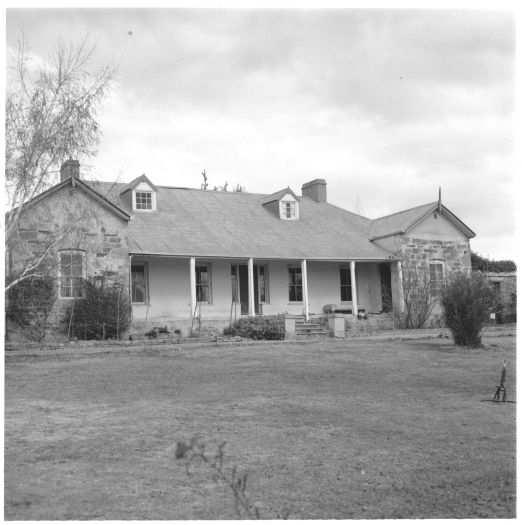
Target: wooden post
[
  {"x": 251, "y": 297},
  {"x": 355, "y": 306},
  {"x": 304, "y": 276},
  {"x": 193, "y": 298}
]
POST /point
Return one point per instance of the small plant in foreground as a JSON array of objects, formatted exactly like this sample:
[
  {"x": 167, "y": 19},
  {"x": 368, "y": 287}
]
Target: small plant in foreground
[
  {"x": 467, "y": 301},
  {"x": 195, "y": 450}
]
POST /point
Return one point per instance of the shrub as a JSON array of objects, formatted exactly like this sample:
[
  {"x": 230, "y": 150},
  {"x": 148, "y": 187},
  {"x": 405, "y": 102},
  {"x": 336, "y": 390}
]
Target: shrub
[
  {"x": 467, "y": 301},
  {"x": 29, "y": 304},
  {"x": 419, "y": 298},
  {"x": 486, "y": 265},
  {"x": 270, "y": 327},
  {"x": 103, "y": 311}
]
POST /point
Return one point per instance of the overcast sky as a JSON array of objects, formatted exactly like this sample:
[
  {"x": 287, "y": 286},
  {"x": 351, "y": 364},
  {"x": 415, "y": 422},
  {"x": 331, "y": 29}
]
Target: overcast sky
[{"x": 386, "y": 105}]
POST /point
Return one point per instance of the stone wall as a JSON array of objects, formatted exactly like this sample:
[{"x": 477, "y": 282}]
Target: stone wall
[
  {"x": 69, "y": 219},
  {"x": 368, "y": 323},
  {"x": 506, "y": 284},
  {"x": 454, "y": 253}
]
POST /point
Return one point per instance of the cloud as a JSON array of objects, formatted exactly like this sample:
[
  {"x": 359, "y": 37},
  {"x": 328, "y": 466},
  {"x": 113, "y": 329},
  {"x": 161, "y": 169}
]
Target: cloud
[{"x": 385, "y": 104}]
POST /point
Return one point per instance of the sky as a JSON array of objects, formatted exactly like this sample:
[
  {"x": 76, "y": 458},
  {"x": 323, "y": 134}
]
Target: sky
[{"x": 386, "y": 105}]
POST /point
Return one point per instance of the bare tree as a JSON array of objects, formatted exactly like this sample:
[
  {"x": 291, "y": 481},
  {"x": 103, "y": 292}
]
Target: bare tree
[
  {"x": 51, "y": 115},
  {"x": 420, "y": 296}
]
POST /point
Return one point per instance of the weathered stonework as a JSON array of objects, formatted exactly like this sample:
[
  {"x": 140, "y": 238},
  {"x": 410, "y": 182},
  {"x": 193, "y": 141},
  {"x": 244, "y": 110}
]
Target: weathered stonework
[
  {"x": 506, "y": 285},
  {"x": 71, "y": 220},
  {"x": 455, "y": 254}
]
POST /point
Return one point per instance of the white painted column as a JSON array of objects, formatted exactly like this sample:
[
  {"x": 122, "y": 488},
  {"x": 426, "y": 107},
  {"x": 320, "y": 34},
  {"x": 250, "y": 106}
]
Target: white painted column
[
  {"x": 304, "y": 276},
  {"x": 193, "y": 298},
  {"x": 355, "y": 306},
  {"x": 400, "y": 286},
  {"x": 251, "y": 296}
]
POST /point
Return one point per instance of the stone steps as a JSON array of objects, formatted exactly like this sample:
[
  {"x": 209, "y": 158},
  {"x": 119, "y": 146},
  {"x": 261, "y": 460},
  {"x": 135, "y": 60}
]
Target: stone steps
[{"x": 305, "y": 329}]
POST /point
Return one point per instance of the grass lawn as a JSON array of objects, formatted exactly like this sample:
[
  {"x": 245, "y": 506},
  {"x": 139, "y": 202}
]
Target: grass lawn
[{"x": 354, "y": 429}]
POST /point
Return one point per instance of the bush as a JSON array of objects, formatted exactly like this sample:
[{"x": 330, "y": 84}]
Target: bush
[
  {"x": 418, "y": 295},
  {"x": 29, "y": 304},
  {"x": 467, "y": 301},
  {"x": 270, "y": 327},
  {"x": 103, "y": 312},
  {"x": 486, "y": 265}
]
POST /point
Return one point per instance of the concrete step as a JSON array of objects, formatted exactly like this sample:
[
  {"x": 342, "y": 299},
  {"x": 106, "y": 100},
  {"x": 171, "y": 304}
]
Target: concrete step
[
  {"x": 310, "y": 330},
  {"x": 313, "y": 335}
]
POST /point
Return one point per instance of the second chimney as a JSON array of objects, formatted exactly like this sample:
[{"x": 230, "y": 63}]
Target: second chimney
[
  {"x": 70, "y": 168},
  {"x": 315, "y": 189}
]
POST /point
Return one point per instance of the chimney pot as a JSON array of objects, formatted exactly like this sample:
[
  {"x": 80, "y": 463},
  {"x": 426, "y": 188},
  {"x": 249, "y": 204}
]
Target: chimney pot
[
  {"x": 70, "y": 168},
  {"x": 315, "y": 189}
]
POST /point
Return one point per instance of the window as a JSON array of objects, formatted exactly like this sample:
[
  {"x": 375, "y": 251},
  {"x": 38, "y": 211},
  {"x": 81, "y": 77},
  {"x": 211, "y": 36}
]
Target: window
[
  {"x": 71, "y": 274},
  {"x": 436, "y": 276},
  {"x": 139, "y": 283},
  {"x": 289, "y": 210},
  {"x": 203, "y": 283},
  {"x": 346, "y": 283},
  {"x": 144, "y": 200},
  {"x": 295, "y": 284},
  {"x": 262, "y": 280}
]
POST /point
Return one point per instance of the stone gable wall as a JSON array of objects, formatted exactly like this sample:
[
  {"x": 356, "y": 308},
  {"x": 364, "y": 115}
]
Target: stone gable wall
[{"x": 91, "y": 228}]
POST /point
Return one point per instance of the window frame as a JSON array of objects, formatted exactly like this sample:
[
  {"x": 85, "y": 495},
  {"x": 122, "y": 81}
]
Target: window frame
[
  {"x": 145, "y": 267},
  {"x": 297, "y": 270},
  {"x": 61, "y": 276},
  {"x": 348, "y": 286},
  {"x": 288, "y": 205},
  {"x": 150, "y": 192},
  {"x": 436, "y": 284},
  {"x": 208, "y": 267},
  {"x": 266, "y": 289},
  {"x": 289, "y": 209}
]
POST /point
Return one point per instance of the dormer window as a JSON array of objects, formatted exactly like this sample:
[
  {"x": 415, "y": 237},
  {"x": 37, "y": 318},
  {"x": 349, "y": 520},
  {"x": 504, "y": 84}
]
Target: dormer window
[
  {"x": 289, "y": 210},
  {"x": 144, "y": 200},
  {"x": 283, "y": 204},
  {"x": 144, "y": 197}
]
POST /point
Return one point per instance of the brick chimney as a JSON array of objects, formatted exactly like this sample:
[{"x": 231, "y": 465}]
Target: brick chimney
[
  {"x": 315, "y": 189},
  {"x": 70, "y": 168}
]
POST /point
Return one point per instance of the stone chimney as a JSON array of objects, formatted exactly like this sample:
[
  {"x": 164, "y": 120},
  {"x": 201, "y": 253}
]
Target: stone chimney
[
  {"x": 315, "y": 189},
  {"x": 70, "y": 168}
]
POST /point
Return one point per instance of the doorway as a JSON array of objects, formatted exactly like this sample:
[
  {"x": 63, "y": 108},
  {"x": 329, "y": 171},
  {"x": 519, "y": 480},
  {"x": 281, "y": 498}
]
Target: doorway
[{"x": 239, "y": 273}]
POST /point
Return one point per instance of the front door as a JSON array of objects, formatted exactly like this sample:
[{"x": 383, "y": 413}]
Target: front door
[{"x": 242, "y": 287}]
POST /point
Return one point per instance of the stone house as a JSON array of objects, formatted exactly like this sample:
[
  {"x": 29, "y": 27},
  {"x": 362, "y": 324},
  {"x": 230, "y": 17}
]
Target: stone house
[{"x": 212, "y": 255}]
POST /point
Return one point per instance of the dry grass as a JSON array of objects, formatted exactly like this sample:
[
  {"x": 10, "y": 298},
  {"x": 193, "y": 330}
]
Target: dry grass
[{"x": 381, "y": 429}]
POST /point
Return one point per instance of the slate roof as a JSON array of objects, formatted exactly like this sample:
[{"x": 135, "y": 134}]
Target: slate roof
[
  {"x": 204, "y": 223},
  {"x": 398, "y": 222},
  {"x": 403, "y": 221}
]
